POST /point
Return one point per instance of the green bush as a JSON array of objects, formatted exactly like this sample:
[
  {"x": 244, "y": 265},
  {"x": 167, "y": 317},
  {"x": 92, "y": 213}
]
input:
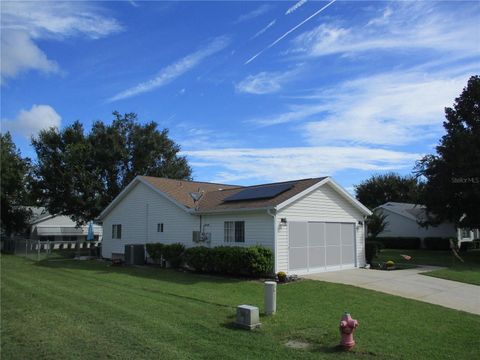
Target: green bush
[
  {"x": 437, "y": 243},
  {"x": 372, "y": 249},
  {"x": 155, "y": 251},
  {"x": 232, "y": 260},
  {"x": 399, "y": 242},
  {"x": 199, "y": 258},
  {"x": 173, "y": 253}
]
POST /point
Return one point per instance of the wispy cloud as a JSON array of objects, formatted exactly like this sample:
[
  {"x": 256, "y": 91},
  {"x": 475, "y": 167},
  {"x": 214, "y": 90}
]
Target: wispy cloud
[
  {"x": 277, "y": 164},
  {"x": 295, "y": 7},
  {"x": 172, "y": 71},
  {"x": 24, "y": 23},
  {"x": 289, "y": 32},
  {"x": 30, "y": 122},
  {"x": 262, "y": 9},
  {"x": 404, "y": 26},
  {"x": 269, "y": 25},
  {"x": 265, "y": 82},
  {"x": 395, "y": 108}
]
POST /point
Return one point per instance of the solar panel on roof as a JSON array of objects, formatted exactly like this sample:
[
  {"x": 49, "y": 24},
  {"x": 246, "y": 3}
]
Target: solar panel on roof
[{"x": 261, "y": 192}]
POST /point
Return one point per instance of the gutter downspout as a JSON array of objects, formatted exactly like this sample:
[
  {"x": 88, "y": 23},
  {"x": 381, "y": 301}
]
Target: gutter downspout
[{"x": 274, "y": 216}]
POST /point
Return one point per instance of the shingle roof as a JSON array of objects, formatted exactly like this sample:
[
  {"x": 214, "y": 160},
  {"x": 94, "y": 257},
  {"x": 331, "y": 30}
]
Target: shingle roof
[
  {"x": 180, "y": 190},
  {"x": 411, "y": 211},
  {"x": 214, "y": 194}
]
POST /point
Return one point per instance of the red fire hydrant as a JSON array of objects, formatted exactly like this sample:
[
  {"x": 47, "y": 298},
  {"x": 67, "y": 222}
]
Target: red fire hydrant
[{"x": 347, "y": 327}]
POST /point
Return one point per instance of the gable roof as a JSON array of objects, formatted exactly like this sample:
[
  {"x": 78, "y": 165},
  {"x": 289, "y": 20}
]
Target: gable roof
[
  {"x": 410, "y": 211},
  {"x": 214, "y": 196}
]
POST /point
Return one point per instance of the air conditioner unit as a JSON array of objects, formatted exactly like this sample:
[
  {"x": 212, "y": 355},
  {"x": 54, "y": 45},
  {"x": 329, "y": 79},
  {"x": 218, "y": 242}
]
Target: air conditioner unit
[{"x": 135, "y": 254}]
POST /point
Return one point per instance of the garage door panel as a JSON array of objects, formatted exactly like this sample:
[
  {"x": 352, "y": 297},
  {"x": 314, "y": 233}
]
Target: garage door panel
[
  {"x": 316, "y": 257},
  {"x": 298, "y": 258},
  {"x": 333, "y": 255},
  {"x": 298, "y": 233},
  {"x": 318, "y": 246},
  {"x": 316, "y": 234},
  {"x": 348, "y": 256},
  {"x": 332, "y": 231},
  {"x": 347, "y": 234}
]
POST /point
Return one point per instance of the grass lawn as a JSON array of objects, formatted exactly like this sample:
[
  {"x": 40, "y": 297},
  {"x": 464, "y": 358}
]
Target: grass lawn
[
  {"x": 67, "y": 309},
  {"x": 468, "y": 272}
]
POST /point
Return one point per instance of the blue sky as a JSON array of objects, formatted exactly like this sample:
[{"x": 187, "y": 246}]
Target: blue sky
[{"x": 252, "y": 91}]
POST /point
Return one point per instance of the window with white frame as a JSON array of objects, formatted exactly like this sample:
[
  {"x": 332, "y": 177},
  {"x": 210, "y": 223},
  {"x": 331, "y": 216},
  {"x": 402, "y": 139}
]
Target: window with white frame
[
  {"x": 465, "y": 233},
  {"x": 116, "y": 231},
  {"x": 234, "y": 231}
]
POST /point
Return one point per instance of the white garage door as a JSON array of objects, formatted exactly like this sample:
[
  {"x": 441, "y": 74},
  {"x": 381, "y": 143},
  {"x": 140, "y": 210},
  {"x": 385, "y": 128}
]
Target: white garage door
[{"x": 321, "y": 246}]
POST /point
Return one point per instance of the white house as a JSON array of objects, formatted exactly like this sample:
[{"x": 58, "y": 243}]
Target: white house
[
  {"x": 403, "y": 221},
  {"x": 44, "y": 226},
  {"x": 311, "y": 225}
]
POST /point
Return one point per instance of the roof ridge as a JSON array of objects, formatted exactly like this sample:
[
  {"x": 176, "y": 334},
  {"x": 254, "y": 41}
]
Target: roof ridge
[{"x": 189, "y": 181}]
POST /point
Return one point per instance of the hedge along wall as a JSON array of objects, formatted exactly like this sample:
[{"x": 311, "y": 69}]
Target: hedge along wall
[
  {"x": 252, "y": 261},
  {"x": 399, "y": 242},
  {"x": 436, "y": 243}
]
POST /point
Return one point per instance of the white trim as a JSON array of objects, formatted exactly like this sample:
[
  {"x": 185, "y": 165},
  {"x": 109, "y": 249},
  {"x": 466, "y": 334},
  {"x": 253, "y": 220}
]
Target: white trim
[
  {"x": 228, "y": 211},
  {"x": 335, "y": 186}
]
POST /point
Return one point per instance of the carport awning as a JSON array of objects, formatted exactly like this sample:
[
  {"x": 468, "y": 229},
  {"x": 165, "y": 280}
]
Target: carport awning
[{"x": 65, "y": 231}]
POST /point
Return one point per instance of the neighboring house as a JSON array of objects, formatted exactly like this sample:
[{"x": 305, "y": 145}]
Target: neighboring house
[
  {"x": 311, "y": 225},
  {"x": 403, "y": 221},
  {"x": 44, "y": 226}
]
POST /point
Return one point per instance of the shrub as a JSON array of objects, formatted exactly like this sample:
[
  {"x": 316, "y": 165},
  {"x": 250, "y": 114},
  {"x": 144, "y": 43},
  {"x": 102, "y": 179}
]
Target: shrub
[
  {"x": 437, "y": 243},
  {"x": 372, "y": 249},
  {"x": 390, "y": 263},
  {"x": 199, "y": 258},
  {"x": 399, "y": 242},
  {"x": 232, "y": 260},
  {"x": 281, "y": 276},
  {"x": 155, "y": 251},
  {"x": 173, "y": 253},
  {"x": 466, "y": 245}
]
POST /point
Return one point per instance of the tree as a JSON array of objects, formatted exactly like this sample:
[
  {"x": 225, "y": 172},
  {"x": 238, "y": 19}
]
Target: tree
[
  {"x": 79, "y": 174},
  {"x": 380, "y": 189},
  {"x": 13, "y": 169},
  {"x": 452, "y": 189},
  {"x": 376, "y": 223}
]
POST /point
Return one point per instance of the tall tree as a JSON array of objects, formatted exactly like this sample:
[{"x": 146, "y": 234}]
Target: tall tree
[
  {"x": 380, "y": 189},
  {"x": 376, "y": 223},
  {"x": 13, "y": 174},
  {"x": 452, "y": 191},
  {"x": 79, "y": 174}
]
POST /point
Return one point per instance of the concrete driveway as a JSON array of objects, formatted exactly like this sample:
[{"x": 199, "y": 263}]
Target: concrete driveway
[{"x": 410, "y": 284}]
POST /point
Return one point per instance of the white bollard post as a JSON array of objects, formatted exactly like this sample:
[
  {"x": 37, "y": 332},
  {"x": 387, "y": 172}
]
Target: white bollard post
[{"x": 270, "y": 297}]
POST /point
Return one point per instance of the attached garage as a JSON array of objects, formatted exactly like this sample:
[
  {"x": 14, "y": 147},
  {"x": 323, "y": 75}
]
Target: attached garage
[{"x": 321, "y": 246}]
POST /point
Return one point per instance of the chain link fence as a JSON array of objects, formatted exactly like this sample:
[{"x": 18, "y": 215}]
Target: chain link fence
[{"x": 39, "y": 250}]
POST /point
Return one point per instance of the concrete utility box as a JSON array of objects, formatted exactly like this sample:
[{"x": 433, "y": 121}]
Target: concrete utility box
[{"x": 247, "y": 317}]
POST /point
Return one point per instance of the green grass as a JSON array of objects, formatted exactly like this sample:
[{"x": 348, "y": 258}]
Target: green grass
[
  {"x": 66, "y": 309},
  {"x": 468, "y": 272}
]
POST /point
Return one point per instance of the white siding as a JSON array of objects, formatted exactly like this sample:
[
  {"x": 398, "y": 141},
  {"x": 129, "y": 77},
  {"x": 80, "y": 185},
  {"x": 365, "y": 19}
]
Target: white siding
[
  {"x": 323, "y": 204},
  {"x": 258, "y": 228},
  {"x": 401, "y": 226},
  {"x": 139, "y": 212}
]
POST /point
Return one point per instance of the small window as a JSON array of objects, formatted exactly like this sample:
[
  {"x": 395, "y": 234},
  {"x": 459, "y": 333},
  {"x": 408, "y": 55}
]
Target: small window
[
  {"x": 465, "y": 233},
  {"x": 160, "y": 227},
  {"x": 234, "y": 231},
  {"x": 116, "y": 231}
]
